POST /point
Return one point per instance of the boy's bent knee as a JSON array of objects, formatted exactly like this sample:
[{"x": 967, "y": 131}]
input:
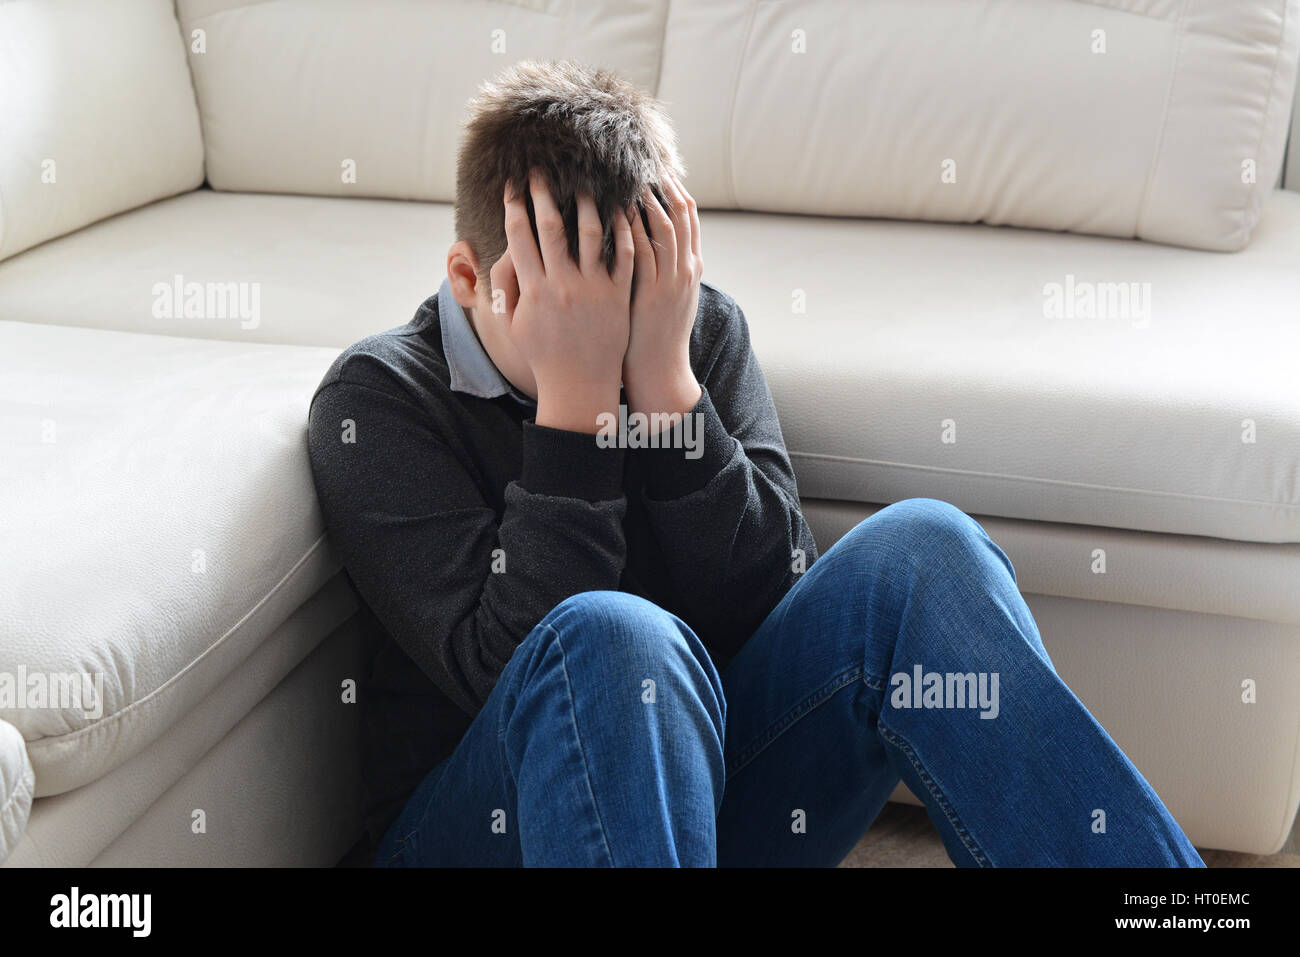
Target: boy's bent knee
[
  {"x": 614, "y": 634},
  {"x": 918, "y": 535},
  {"x": 609, "y": 610},
  {"x": 926, "y": 523}
]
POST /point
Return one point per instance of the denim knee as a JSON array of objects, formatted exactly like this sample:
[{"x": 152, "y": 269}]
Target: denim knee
[
  {"x": 923, "y": 533},
  {"x": 618, "y": 639}
]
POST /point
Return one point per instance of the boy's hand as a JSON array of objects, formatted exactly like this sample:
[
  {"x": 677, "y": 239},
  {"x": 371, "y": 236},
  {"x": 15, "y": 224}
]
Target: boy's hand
[
  {"x": 570, "y": 320},
  {"x": 665, "y": 294}
]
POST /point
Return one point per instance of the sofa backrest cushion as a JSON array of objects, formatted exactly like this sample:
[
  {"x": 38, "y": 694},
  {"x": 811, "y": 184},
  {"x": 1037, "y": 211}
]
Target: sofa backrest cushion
[
  {"x": 1160, "y": 119},
  {"x": 97, "y": 114},
  {"x": 341, "y": 98}
]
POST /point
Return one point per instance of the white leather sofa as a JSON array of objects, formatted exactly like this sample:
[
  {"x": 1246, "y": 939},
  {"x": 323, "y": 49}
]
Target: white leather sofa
[{"x": 914, "y": 203}]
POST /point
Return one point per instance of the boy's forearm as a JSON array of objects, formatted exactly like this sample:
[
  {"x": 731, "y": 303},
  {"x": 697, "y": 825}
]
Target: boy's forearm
[
  {"x": 674, "y": 391},
  {"x": 576, "y": 406}
]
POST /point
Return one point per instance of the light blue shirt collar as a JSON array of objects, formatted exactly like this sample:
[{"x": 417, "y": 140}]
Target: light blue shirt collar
[{"x": 472, "y": 370}]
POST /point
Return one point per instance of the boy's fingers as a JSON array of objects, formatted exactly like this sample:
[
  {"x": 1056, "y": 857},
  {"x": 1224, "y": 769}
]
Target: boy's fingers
[
  {"x": 695, "y": 221},
  {"x": 624, "y": 248},
  {"x": 550, "y": 224},
  {"x": 662, "y": 234},
  {"x": 591, "y": 236},
  {"x": 681, "y": 217},
  {"x": 644, "y": 249},
  {"x": 525, "y": 260}
]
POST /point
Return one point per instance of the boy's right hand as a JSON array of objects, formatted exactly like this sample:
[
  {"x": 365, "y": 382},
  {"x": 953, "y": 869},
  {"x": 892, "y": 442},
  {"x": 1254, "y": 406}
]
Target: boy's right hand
[{"x": 570, "y": 320}]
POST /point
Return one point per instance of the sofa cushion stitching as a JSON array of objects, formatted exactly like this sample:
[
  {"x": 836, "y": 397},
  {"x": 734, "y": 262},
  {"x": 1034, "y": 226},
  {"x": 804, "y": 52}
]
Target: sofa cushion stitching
[{"x": 1191, "y": 496}]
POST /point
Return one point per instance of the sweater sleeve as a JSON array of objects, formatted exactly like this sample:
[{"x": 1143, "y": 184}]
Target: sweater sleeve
[
  {"x": 457, "y": 586},
  {"x": 728, "y": 519}
]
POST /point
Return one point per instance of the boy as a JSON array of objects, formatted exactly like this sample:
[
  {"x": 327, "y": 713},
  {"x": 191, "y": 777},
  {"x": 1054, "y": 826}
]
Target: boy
[{"x": 610, "y": 653}]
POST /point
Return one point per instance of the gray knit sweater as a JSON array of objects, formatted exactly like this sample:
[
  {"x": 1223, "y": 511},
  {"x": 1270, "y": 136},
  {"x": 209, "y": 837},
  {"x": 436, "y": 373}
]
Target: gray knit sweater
[{"x": 461, "y": 523}]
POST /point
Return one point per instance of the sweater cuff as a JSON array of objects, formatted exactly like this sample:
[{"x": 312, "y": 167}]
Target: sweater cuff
[
  {"x": 569, "y": 465},
  {"x": 679, "y": 467}
]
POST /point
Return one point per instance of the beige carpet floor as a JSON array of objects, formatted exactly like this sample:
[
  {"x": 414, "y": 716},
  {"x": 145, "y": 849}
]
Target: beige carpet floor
[{"x": 903, "y": 836}]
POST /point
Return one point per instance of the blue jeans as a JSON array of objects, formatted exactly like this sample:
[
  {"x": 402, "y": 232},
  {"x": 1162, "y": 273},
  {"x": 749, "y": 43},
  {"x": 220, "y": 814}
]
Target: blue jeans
[{"x": 905, "y": 652}]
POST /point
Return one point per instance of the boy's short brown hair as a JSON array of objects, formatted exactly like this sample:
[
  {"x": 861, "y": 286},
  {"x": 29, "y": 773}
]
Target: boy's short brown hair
[{"x": 587, "y": 130}]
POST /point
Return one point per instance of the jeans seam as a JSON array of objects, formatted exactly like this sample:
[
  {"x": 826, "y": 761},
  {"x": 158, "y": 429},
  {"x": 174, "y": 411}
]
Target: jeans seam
[
  {"x": 401, "y": 847},
  {"x": 586, "y": 768},
  {"x": 787, "y": 720},
  {"x": 937, "y": 794},
  {"x": 404, "y": 840}
]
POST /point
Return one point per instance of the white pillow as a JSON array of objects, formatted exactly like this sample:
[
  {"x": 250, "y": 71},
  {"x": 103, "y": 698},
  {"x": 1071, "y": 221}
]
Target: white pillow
[
  {"x": 339, "y": 98},
  {"x": 1157, "y": 119},
  {"x": 97, "y": 114}
]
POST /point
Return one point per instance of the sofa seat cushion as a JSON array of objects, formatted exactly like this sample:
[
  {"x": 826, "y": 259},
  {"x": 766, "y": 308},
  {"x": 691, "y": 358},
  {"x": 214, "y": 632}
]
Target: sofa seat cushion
[
  {"x": 955, "y": 361},
  {"x": 1031, "y": 375},
  {"x": 157, "y": 521},
  {"x": 307, "y": 270}
]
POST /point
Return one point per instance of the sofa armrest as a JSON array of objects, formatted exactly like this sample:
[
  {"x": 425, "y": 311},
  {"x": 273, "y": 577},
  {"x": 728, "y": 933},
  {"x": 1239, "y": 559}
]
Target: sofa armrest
[{"x": 17, "y": 785}]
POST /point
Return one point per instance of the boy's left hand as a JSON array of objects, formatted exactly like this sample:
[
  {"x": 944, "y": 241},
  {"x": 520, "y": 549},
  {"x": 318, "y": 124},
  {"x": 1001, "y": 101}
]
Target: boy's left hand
[{"x": 657, "y": 373}]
